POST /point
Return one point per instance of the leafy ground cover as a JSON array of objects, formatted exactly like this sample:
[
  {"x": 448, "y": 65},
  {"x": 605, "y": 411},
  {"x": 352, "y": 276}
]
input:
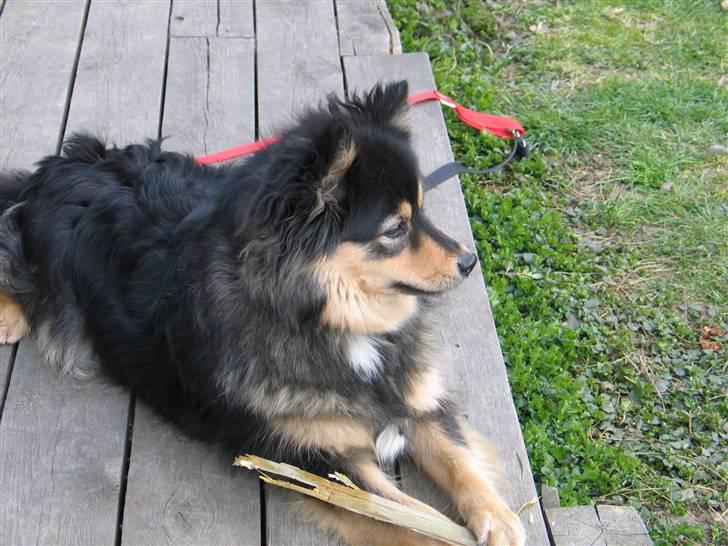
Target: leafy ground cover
[{"x": 605, "y": 253}]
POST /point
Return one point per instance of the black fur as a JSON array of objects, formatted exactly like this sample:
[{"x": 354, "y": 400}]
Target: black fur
[{"x": 189, "y": 284}]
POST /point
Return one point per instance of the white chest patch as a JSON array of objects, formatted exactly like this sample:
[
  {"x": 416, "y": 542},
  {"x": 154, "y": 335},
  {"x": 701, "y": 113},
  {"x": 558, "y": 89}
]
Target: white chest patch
[
  {"x": 390, "y": 444},
  {"x": 364, "y": 356}
]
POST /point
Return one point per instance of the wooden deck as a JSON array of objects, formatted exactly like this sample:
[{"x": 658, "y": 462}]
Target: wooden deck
[{"x": 81, "y": 462}]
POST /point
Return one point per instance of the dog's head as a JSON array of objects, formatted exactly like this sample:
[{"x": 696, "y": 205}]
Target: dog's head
[{"x": 355, "y": 210}]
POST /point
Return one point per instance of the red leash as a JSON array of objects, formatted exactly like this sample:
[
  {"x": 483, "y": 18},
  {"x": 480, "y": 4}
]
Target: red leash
[
  {"x": 237, "y": 151},
  {"x": 500, "y": 126}
]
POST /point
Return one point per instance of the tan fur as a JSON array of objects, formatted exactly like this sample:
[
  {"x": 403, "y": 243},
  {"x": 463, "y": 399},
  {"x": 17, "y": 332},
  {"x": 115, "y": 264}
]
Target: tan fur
[
  {"x": 339, "y": 435},
  {"x": 424, "y": 390},
  {"x": 355, "y": 529},
  {"x": 405, "y": 211},
  {"x": 13, "y": 324},
  {"x": 359, "y": 293},
  {"x": 356, "y": 298},
  {"x": 485, "y": 455},
  {"x": 420, "y": 196},
  {"x": 374, "y": 480},
  {"x": 468, "y": 481},
  {"x": 429, "y": 267},
  {"x": 304, "y": 402},
  {"x": 350, "y": 437},
  {"x": 345, "y": 156}
]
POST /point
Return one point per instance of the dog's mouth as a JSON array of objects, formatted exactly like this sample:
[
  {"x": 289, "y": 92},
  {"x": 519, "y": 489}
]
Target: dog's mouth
[
  {"x": 408, "y": 289},
  {"x": 411, "y": 290}
]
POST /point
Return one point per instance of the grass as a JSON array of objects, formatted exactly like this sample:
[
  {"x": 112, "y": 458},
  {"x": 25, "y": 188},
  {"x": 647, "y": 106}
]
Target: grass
[{"x": 606, "y": 252}]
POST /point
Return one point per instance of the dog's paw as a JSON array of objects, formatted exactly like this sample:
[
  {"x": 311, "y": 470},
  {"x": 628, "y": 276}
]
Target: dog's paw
[
  {"x": 499, "y": 526},
  {"x": 13, "y": 325}
]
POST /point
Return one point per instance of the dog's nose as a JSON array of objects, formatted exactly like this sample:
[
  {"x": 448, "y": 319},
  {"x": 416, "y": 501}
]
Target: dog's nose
[{"x": 466, "y": 263}]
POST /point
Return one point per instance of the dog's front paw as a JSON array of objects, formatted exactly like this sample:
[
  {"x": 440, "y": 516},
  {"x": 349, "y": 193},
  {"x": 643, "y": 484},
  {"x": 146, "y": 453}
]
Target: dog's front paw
[{"x": 499, "y": 526}]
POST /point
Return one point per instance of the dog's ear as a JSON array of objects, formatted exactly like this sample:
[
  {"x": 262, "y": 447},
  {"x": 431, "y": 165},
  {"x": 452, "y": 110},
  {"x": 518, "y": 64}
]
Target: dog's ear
[
  {"x": 384, "y": 104},
  {"x": 388, "y": 103},
  {"x": 336, "y": 154}
]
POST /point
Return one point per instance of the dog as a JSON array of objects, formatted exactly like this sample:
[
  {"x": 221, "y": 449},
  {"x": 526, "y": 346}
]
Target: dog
[{"x": 281, "y": 306}]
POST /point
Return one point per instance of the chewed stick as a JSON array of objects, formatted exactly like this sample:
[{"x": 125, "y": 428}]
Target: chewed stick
[{"x": 344, "y": 494}]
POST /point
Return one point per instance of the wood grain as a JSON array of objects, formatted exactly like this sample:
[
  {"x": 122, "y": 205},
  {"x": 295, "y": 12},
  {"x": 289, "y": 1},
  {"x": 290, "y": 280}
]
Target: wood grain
[
  {"x": 623, "y": 526},
  {"x": 550, "y": 497},
  {"x": 184, "y": 492},
  {"x": 225, "y": 18},
  {"x": 298, "y": 60},
  {"x": 61, "y": 445},
  {"x": 575, "y": 526},
  {"x": 38, "y": 41},
  {"x": 210, "y": 99},
  {"x": 119, "y": 82},
  {"x": 366, "y": 28},
  {"x": 471, "y": 356}
]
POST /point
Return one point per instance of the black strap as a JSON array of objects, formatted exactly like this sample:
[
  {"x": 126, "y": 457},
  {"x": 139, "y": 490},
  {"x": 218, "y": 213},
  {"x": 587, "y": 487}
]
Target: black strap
[{"x": 439, "y": 175}]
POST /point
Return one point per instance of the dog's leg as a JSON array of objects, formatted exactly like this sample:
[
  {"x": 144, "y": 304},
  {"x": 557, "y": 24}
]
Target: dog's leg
[
  {"x": 350, "y": 442},
  {"x": 13, "y": 324},
  {"x": 367, "y": 473},
  {"x": 355, "y": 529},
  {"x": 461, "y": 463}
]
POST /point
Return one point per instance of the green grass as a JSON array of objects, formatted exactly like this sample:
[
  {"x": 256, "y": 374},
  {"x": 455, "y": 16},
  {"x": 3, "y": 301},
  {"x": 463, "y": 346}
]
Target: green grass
[{"x": 605, "y": 252}]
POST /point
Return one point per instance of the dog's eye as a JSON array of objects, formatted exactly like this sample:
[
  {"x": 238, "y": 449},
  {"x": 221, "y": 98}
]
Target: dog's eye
[{"x": 395, "y": 232}]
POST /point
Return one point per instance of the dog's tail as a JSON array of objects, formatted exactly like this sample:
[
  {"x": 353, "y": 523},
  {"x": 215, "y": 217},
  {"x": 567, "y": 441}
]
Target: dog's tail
[{"x": 11, "y": 188}]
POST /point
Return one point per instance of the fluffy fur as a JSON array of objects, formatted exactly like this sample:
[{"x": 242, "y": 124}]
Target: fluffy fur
[{"x": 277, "y": 307}]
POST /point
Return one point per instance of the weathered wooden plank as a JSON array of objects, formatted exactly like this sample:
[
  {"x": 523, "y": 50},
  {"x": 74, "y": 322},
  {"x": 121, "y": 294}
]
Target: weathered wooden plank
[
  {"x": 623, "y": 526},
  {"x": 194, "y": 18},
  {"x": 366, "y": 28},
  {"x": 178, "y": 490},
  {"x": 396, "y": 44},
  {"x": 183, "y": 492},
  {"x": 228, "y": 18},
  {"x": 550, "y": 497},
  {"x": 6, "y": 356},
  {"x": 298, "y": 65},
  {"x": 61, "y": 442},
  {"x": 210, "y": 99},
  {"x": 38, "y": 41},
  {"x": 472, "y": 360},
  {"x": 118, "y": 86},
  {"x": 575, "y": 526},
  {"x": 298, "y": 59}
]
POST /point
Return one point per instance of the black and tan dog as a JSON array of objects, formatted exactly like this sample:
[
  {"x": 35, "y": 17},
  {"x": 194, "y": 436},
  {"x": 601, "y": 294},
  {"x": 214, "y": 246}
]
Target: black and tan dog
[{"x": 278, "y": 307}]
